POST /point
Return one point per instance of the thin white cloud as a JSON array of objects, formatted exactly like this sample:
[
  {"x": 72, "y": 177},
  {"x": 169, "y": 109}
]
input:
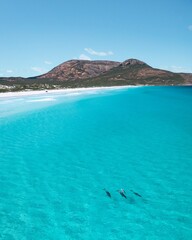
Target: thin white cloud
[
  {"x": 177, "y": 69},
  {"x": 101, "y": 54},
  {"x": 190, "y": 27},
  {"x": 84, "y": 57},
  {"x": 47, "y": 62},
  {"x": 38, "y": 69},
  {"x": 9, "y": 71}
]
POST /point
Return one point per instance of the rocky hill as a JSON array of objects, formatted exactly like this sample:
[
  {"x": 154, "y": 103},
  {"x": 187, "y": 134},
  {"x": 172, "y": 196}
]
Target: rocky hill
[
  {"x": 134, "y": 72},
  {"x": 79, "y": 69},
  {"x": 83, "y": 73}
]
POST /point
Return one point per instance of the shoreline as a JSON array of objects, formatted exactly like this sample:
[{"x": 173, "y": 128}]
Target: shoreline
[{"x": 67, "y": 90}]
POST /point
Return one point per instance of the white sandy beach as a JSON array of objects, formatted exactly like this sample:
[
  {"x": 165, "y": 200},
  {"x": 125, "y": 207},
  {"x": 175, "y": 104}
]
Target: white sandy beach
[{"x": 60, "y": 91}]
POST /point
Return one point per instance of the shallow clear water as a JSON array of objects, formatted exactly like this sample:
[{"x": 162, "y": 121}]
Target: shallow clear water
[{"x": 57, "y": 156}]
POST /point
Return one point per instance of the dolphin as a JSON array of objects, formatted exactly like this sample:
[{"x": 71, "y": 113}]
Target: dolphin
[
  {"x": 107, "y": 192},
  {"x": 122, "y": 192}
]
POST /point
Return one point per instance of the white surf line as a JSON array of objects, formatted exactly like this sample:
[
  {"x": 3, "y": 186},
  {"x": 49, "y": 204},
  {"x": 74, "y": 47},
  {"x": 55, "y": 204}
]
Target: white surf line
[
  {"x": 69, "y": 90},
  {"x": 42, "y": 100}
]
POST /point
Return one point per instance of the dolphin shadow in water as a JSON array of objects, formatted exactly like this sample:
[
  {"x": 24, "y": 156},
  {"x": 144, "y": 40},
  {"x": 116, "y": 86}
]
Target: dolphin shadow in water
[{"x": 137, "y": 194}]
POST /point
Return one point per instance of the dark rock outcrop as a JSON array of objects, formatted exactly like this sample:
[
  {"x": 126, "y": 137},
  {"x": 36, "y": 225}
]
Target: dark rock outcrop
[{"x": 131, "y": 62}]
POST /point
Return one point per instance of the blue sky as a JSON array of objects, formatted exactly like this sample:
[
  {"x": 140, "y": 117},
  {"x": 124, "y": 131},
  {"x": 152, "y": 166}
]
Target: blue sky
[{"x": 37, "y": 35}]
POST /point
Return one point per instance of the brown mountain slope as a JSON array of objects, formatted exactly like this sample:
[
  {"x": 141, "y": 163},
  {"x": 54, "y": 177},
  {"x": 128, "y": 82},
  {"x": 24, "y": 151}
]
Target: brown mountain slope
[
  {"x": 79, "y": 69},
  {"x": 187, "y": 77}
]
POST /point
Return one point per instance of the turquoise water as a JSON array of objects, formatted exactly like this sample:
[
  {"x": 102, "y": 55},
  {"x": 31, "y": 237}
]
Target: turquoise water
[{"x": 56, "y": 157}]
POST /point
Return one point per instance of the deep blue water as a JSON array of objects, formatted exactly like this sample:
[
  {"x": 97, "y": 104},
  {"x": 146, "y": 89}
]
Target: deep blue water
[{"x": 57, "y": 156}]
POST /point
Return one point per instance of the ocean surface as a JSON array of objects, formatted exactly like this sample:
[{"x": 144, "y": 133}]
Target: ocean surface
[{"x": 58, "y": 152}]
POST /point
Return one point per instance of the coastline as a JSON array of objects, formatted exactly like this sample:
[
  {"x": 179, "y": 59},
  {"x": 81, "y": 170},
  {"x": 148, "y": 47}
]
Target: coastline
[{"x": 64, "y": 91}]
